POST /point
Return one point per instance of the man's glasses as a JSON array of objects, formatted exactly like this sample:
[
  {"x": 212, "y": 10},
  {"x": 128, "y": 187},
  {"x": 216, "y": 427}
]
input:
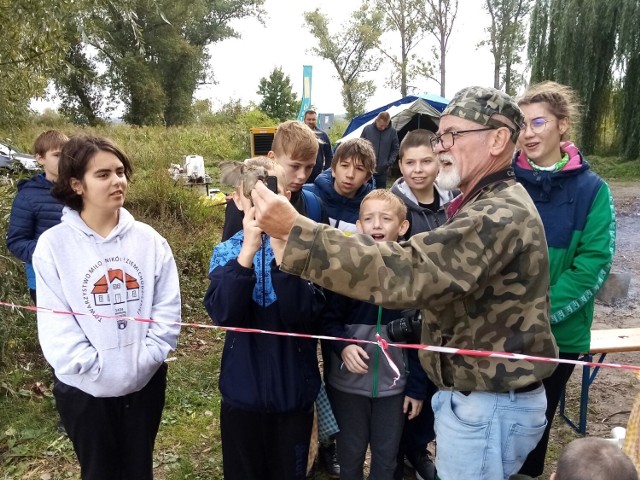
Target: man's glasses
[
  {"x": 537, "y": 125},
  {"x": 447, "y": 139}
]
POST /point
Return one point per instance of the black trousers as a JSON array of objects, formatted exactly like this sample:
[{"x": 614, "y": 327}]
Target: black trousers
[
  {"x": 113, "y": 437},
  {"x": 553, "y": 385},
  {"x": 264, "y": 446}
]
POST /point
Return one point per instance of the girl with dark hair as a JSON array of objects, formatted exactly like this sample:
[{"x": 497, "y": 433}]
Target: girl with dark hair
[{"x": 104, "y": 268}]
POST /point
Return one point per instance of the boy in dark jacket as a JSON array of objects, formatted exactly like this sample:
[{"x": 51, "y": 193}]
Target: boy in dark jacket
[
  {"x": 368, "y": 396},
  {"x": 268, "y": 382},
  {"x": 343, "y": 186},
  {"x": 34, "y": 210}
]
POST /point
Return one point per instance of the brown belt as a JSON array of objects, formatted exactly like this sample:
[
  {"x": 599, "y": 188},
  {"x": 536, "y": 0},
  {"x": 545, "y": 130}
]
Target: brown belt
[{"x": 528, "y": 388}]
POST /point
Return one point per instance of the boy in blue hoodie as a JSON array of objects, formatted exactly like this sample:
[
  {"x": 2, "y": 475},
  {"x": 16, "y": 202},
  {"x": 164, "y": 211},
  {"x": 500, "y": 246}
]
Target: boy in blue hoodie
[
  {"x": 34, "y": 210},
  {"x": 368, "y": 397},
  {"x": 342, "y": 187},
  {"x": 268, "y": 383}
]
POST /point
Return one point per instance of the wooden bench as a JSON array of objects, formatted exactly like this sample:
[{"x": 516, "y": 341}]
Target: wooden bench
[{"x": 602, "y": 342}]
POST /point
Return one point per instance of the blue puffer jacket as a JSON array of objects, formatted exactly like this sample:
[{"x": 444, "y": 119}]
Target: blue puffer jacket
[
  {"x": 342, "y": 211},
  {"x": 33, "y": 212},
  {"x": 262, "y": 372}
]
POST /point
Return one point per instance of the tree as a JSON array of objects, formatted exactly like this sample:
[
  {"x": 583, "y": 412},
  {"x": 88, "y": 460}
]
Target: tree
[
  {"x": 155, "y": 52},
  {"x": 278, "y": 99},
  {"x": 32, "y": 46},
  {"x": 628, "y": 60},
  {"x": 438, "y": 17},
  {"x": 574, "y": 42},
  {"x": 506, "y": 40},
  {"x": 350, "y": 51},
  {"x": 403, "y": 17}
]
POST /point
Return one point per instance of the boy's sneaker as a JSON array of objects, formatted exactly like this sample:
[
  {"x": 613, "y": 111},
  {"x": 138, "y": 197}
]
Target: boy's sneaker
[
  {"x": 422, "y": 464},
  {"x": 329, "y": 459}
]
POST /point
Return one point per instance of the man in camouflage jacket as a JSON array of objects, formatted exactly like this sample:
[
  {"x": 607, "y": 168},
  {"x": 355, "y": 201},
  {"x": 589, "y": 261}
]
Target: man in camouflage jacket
[{"x": 481, "y": 281}]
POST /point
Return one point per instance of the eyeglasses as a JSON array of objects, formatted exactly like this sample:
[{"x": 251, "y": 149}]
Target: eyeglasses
[
  {"x": 447, "y": 139},
  {"x": 537, "y": 125}
]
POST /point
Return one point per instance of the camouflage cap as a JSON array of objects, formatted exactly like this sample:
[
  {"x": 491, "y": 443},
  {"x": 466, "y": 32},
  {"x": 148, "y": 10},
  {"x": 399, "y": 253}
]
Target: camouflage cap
[{"x": 480, "y": 104}]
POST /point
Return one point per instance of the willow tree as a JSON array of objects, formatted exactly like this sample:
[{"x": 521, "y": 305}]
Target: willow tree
[
  {"x": 402, "y": 17},
  {"x": 629, "y": 62},
  {"x": 506, "y": 40},
  {"x": 32, "y": 45},
  {"x": 350, "y": 51},
  {"x": 573, "y": 42}
]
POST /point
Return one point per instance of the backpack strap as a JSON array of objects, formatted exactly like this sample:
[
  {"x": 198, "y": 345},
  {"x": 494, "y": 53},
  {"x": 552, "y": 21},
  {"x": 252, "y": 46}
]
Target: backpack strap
[{"x": 312, "y": 202}]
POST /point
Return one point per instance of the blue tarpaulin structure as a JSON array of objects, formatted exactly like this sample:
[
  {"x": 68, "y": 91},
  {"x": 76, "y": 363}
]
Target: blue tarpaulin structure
[{"x": 408, "y": 113}]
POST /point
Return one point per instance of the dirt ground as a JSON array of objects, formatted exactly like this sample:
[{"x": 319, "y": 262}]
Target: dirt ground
[{"x": 613, "y": 391}]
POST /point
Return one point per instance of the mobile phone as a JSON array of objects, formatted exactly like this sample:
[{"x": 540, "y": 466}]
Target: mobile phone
[{"x": 272, "y": 183}]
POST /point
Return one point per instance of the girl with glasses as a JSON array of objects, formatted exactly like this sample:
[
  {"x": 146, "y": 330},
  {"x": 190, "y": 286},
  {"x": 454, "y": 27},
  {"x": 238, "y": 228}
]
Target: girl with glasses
[{"x": 577, "y": 211}]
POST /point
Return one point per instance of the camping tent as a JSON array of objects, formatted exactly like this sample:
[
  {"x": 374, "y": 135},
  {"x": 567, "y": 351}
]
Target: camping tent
[{"x": 408, "y": 113}]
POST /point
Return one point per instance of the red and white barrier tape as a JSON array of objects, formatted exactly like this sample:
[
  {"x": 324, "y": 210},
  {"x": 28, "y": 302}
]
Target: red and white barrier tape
[{"x": 381, "y": 342}]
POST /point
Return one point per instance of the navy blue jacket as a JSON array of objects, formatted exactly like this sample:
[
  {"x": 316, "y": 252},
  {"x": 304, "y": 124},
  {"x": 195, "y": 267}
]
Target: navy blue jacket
[
  {"x": 33, "y": 212},
  {"x": 342, "y": 211},
  {"x": 262, "y": 372}
]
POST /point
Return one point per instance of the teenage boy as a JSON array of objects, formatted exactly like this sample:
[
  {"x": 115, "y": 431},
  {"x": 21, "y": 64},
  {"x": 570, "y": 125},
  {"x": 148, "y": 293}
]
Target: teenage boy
[
  {"x": 342, "y": 187},
  {"x": 295, "y": 148},
  {"x": 425, "y": 203},
  {"x": 34, "y": 210}
]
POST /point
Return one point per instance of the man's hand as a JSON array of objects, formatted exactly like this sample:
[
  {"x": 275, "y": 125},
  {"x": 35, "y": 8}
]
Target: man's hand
[
  {"x": 354, "y": 358},
  {"x": 412, "y": 407},
  {"x": 274, "y": 214}
]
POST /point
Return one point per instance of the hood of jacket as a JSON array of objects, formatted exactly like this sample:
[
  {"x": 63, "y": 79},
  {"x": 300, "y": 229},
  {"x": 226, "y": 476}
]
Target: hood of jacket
[
  {"x": 338, "y": 206},
  {"x": 72, "y": 218},
  {"x": 402, "y": 190},
  {"x": 547, "y": 180}
]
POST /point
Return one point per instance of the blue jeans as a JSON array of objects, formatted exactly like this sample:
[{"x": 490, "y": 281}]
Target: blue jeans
[{"x": 485, "y": 435}]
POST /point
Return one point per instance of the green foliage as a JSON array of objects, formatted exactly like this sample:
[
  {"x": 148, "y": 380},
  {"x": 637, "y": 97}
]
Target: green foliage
[
  {"x": 157, "y": 72},
  {"x": 278, "y": 99},
  {"x": 574, "y": 42},
  {"x": 32, "y": 45},
  {"x": 350, "y": 51}
]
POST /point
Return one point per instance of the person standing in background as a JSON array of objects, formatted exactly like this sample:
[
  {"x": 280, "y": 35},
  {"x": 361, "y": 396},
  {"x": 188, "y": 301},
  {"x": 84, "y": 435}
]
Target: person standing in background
[
  {"x": 34, "y": 210},
  {"x": 384, "y": 139},
  {"x": 325, "y": 153}
]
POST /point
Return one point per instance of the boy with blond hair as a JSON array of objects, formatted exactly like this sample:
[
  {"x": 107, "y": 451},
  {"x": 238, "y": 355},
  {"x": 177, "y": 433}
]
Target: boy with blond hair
[
  {"x": 294, "y": 148},
  {"x": 34, "y": 210},
  {"x": 368, "y": 397},
  {"x": 342, "y": 187}
]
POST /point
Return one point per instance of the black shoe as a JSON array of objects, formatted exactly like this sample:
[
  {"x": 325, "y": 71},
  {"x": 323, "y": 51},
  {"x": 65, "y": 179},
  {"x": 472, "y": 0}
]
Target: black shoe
[
  {"x": 422, "y": 464},
  {"x": 329, "y": 459}
]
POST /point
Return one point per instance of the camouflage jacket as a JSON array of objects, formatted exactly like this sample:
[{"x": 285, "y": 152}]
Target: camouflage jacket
[{"x": 481, "y": 281}]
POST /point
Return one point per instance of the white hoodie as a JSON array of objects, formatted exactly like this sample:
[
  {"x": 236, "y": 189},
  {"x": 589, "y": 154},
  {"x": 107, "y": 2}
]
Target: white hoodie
[{"x": 77, "y": 270}]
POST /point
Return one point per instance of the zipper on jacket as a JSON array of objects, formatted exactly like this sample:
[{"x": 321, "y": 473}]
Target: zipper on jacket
[{"x": 374, "y": 393}]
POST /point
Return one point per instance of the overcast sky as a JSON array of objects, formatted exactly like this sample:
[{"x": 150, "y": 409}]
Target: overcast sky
[{"x": 284, "y": 41}]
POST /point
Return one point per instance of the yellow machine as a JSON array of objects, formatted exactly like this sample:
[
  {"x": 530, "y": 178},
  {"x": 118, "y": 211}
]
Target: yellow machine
[{"x": 261, "y": 140}]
